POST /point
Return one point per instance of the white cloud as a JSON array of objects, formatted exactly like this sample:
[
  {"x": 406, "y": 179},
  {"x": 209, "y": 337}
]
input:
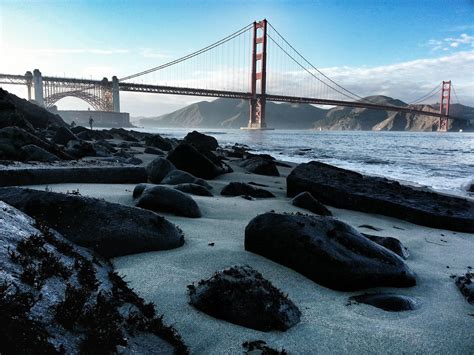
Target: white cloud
[
  {"x": 151, "y": 53},
  {"x": 463, "y": 40}
]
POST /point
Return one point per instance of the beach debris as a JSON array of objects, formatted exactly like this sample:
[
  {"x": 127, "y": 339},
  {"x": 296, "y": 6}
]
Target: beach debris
[
  {"x": 347, "y": 189},
  {"x": 165, "y": 199},
  {"x": 176, "y": 177},
  {"x": 465, "y": 284},
  {"x": 390, "y": 243},
  {"x": 158, "y": 169},
  {"x": 240, "y": 188},
  {"x": 108, "y": 228},
  {"x": 242, "y": 296},
  {"x": 205, "y": 165},
  {"x": 56, "y": 297},
  {"x": 193, "y": 189},
  {"x": 260, "y": 347},
  {"x": 307, "y": 201},
  {"x": 260, "y": 165},
  {"x": 388, "y": 301},
  {"x": 327, "y": 251}
]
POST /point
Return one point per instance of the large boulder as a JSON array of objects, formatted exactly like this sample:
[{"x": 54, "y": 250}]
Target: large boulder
[
  {"x": 186, "y": 157},
  {"x": 165, "y": 199},
  {"x": 63, "y": 135},
  {"x": 327, "y": 251},
  {"x": 193, "y": 189},
  {"x": 243, "y": 189},
  {"x": 56, "y": 297},
  {"x": 201, "y": 141},
  {"x": 260, "y": 165},
  {"x": 157, "y": 141},
  {"x": 388, "y": 301},
  {"x": 176, "y": 177},
  {"x": 158, "y": 169},
  {"x": 108, "y": 228},
  {"x": 242, "y": 296},
  {"x": 350, "y": 190},
  {"x": 308, "y": 202},
  {"x": 32, "y": 152}
]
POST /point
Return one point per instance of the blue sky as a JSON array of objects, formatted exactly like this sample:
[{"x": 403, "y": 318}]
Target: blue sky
[{"x": 356, "y": 42}]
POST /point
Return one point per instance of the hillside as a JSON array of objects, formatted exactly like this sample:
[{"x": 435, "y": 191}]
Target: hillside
[{"x": 229, "y": 113}]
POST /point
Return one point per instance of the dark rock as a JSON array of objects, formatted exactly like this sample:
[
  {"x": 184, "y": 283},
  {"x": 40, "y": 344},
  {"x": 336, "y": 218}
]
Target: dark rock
[
  {"x": 240, "y": 188},
  {"x": 260, "y": 347},
  {"x": 158, "y": 169},
  {"x": 133, "y": 161},
  {"x": 63, "y": 135},
  {"x": 327, "y": 251},
  {"x": 155, "y": 151},
  {"x": 193, "y": 189},
  {"x": 79, "y": 129},
  {"x": 124, "y": 153},
  {"x": 242, "y": 296},
  {"x": 108, "y": 228},
  {"x": 368, "y": 226},
  {"x": 165, "y": 199},
  {"x": 80, "y": 149},
  {"x": 347, "y": 189},
  {"x": 307, "y": 201},
  {"x": 19, "y": 112},
  {"x": 90, "y": 135},
  {"x": 388, "y": 302},
  {"x": 103, "y": 148},
  {"x": 465, "y": 284},
  {"x": 260, "y": 166},
  {"x": 120, "y": 133},
  {"x": 390, "y": 243},
  {"x": 185, "y": 157},
  {"x": 201, "y": 141},
  {"x": 176, "y": 177},
  {"x": 32, "y": 152},
  {"x": 159, "y": 142},
  {"x": 109, "y": 175}
]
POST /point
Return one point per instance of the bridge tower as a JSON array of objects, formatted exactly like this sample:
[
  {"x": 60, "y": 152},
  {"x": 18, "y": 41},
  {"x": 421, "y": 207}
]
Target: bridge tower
[
  {"x": 258, "y": 76},
  {"x": 38, "y": 85},
  {"x": 444, "y": 105},
  {"x": 115, "y": 94}
]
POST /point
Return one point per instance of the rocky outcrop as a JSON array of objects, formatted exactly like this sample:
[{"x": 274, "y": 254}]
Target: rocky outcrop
[
  {"x": 193, "y": 189},
  {"x": 327, "y": 251},
  {"x": 201, "y": 141},
  {"x": 308, "y": 202},
  {"x": 176, "y": 177},
  {"x": 260, "y": 165},
  {"x": 240, "y": 188},
  {"x": 185, "y": 157},
  {"x": 165, "y": 199},
  {"x": 158, "y": 169},
  {"x": 108, "y": 228},
  {"x": 388, "y": 301},
  {"x": 350, "y": 190},
  {"x": 57, "y": 298},
  {"x": 63, "y": 135},
  {"x": 242, "y": 296}
]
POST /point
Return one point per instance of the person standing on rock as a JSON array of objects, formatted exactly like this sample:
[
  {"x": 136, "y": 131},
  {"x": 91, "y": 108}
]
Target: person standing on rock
[{"x": 91, "y": 122}]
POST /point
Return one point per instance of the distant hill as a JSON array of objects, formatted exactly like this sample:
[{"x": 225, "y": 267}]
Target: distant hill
[{"x": 230, "y": 113}]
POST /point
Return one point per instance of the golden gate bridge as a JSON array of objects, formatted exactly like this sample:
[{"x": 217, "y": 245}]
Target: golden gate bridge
[{"x": 255, "y": 63}]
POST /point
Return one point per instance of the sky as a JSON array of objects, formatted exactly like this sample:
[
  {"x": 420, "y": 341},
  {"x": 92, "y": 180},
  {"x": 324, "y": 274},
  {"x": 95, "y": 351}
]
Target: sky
[{"x": 397, "y": 48}]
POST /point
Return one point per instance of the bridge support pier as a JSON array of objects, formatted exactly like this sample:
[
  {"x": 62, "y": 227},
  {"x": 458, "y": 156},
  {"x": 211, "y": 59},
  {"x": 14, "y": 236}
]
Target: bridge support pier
[
  {"x": 444, "y": 106},
  {"x": 259, "y": 62},
  {"x": 115, "y": 94},
  {"x": 38, "y": 85}
]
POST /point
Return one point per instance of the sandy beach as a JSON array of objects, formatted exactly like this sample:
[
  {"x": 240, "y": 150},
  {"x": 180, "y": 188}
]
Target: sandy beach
[{"x": 329, "y": 324}]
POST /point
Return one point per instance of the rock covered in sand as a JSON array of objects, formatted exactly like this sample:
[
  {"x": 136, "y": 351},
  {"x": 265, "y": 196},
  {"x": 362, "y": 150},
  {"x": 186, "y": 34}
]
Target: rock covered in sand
[
  {"x": 308, "y": 202},
  {"x": 177, "y": 176},
  {"x": 327, "y": 251},
  {"x": 260, "y": 165},
  {"x": 158, "y": 168},
  {"x": 108, "y": 228},
  {"x": 388, "y": 301},
  {"x": 242, "y": 296},
  {"x": 243, "y": 189}
]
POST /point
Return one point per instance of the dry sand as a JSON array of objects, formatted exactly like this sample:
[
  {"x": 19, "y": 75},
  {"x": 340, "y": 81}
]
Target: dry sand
[{"x": 444, "y": 323}]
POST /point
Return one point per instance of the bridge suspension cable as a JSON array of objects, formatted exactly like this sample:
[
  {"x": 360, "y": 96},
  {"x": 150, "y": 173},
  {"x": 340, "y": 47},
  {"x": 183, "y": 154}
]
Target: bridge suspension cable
[{"x": 430, "y": 94}]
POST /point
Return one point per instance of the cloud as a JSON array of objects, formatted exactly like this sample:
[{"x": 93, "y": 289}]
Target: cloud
[
  {"x": 463, "y": 40},
  {"x": 151, "y": 53}
]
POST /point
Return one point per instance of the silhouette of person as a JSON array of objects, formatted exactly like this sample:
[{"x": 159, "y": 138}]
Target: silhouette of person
[{"x": 91, "y": 122}]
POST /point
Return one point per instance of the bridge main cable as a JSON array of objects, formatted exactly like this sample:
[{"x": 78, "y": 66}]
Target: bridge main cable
[{"x": 191, "y": 55}]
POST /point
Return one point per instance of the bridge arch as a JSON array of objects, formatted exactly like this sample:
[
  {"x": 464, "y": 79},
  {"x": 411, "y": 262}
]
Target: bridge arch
[{"x": 96, "y": 102}]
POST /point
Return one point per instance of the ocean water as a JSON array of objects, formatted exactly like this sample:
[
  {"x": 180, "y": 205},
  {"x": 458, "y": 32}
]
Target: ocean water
[{"x": 441, "y": 161}]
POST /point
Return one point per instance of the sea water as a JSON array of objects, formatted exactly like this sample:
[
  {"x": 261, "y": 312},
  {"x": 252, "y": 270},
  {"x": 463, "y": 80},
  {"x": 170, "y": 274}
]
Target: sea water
[{"x": 441, "y": 161}]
